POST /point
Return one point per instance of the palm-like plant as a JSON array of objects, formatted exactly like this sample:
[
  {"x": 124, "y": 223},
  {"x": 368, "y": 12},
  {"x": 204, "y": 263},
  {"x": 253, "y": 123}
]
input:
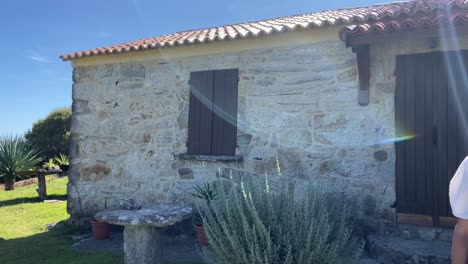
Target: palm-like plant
[{"x": 16, "y": 157}]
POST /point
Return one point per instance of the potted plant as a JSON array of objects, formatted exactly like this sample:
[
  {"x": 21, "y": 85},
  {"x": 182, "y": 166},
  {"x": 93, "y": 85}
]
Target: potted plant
[
  {"x": 206, "y": 193},
  {"x": 100, "y": 229},
  {"x": 63, "y": 161}
]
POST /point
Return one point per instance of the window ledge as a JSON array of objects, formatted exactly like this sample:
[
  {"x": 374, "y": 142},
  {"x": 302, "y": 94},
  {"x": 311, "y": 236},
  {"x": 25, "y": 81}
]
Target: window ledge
[{"x": 210, "y": 158}]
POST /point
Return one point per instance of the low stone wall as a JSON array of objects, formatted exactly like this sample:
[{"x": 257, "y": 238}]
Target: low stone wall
[{"x": 298, "y": 115}]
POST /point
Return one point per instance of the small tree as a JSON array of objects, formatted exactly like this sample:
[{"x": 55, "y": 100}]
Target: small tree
[
  {"x": 16, "y": 157},
  {"x": 51, "y": 134}
]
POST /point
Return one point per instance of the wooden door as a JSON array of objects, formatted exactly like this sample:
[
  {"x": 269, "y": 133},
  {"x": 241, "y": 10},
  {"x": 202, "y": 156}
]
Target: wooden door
[{"x": 431, "y": 110}]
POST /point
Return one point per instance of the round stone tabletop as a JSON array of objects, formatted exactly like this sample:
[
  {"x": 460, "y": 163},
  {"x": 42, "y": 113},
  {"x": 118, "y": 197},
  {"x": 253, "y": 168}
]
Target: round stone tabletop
[{"x": 160, "y": 215}]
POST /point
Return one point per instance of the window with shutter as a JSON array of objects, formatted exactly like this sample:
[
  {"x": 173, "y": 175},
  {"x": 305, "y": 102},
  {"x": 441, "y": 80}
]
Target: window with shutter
[{"x": 213, "y": 112}]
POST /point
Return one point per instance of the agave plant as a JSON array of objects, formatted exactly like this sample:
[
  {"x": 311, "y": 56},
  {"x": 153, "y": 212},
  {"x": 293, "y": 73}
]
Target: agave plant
[
  {"x": 49, "y": 165},
  {"x": 16, "y": 158},
  {"x": 62, "y": 159}
]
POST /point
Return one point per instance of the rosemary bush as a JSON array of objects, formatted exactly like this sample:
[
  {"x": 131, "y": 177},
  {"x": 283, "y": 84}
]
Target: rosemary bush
[{"x": 251, "y": 223}]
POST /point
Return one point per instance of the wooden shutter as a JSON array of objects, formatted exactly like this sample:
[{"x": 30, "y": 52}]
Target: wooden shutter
[
  {"x": 200, "y": 113},
  {"x": 225, "y": 112},
  {"x": 213, "y": 112}
]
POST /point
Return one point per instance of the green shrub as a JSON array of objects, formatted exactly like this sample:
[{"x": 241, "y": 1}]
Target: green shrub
[
  {"x": 250, "y": 223},
  {"x": 51, "y": 134}
]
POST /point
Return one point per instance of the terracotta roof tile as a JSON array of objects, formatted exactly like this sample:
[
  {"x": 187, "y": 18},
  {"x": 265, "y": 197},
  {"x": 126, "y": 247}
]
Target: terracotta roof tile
[
  {"x": 457, "y": 16},
  {"x": 397, "y": 16}
]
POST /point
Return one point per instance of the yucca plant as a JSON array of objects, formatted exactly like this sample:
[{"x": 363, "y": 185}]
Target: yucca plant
[{"x": 16, "y": 158}]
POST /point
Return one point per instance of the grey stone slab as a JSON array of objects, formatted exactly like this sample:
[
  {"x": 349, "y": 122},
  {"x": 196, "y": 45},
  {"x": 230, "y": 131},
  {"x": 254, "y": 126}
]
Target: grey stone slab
[
  {"x": 160, "y": 215},
  {"x": 392, "y": 249}
]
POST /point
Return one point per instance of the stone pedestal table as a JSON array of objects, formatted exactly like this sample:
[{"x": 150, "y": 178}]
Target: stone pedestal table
[{"x": 142, "y": 227}]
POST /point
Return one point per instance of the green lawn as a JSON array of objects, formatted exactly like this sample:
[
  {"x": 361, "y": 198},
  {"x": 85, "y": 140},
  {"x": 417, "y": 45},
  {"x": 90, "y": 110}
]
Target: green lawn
[{"x": 23, "y": 223}]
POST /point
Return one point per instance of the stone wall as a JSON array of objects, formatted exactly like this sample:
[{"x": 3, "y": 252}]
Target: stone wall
[{"x": 298, "y": 111}]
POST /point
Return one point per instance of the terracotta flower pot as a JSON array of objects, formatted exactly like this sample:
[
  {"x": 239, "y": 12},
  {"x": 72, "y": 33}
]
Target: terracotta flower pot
[
  {"x": 100, "y": 230},
  {"x": 202, "y": 240}
]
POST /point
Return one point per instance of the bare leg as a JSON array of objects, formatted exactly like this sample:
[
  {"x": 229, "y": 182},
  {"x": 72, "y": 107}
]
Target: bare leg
[{"x": 460, "y": 243}]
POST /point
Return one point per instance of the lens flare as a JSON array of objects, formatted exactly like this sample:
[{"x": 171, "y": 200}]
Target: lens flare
[
  {"x": 398, "y": 139},
  {"x": 450, "y": 41}
]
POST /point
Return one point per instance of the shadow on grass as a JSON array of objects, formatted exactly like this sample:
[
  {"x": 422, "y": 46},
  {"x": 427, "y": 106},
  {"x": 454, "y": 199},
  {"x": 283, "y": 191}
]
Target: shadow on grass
[
  {"x": 16, "y": 201},
  {"x": 53, "y": 247}
]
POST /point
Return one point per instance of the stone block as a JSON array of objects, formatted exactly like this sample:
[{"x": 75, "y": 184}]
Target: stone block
[
  {"x": 92, "y": 73},
  {"x": 130, "y": 85},
  {"x": 348, "y": 75},
  {"x": 182, "y": 118},
  {"x": 100, "y": 90},
  {"x": 146, "y": 138},
  {"x": 290, "y": 163},
  {"x": 84, "y": 124},
  {"x": 186, "y": 174},
  {"x": 74, "y": 148},
  {"x": 427, "y": 233},
  {"x": 310, "y": 79},
  {"x": 266, "y": 166},
  {"x": 381, "y": 155},
  {"x": 446, "y": 234},
  {"x": 320, "y": 153},
  {"x": 326, "y": 167},
  {"x": 386, "y": 87},
  {"x": 300, "y": 139},
  {"x": 355, "y": 168},
  {"x": 95, "y": 172},
  {"x": 330, "y": 122},
  {"x": 80, "y": 107},
  {"x": 136, "y": 71},
  {"x": 244, "y": 139},
  {"x": 298, "y": 102}
]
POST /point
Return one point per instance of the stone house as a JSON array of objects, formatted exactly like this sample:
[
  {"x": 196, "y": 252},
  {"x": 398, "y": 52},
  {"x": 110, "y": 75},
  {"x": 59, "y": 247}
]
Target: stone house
[{"x": 370, "y": 97}]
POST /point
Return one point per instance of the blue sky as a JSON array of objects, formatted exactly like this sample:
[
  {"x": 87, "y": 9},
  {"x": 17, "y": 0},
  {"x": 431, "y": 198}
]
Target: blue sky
[{"x": 33, "y": 81}]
